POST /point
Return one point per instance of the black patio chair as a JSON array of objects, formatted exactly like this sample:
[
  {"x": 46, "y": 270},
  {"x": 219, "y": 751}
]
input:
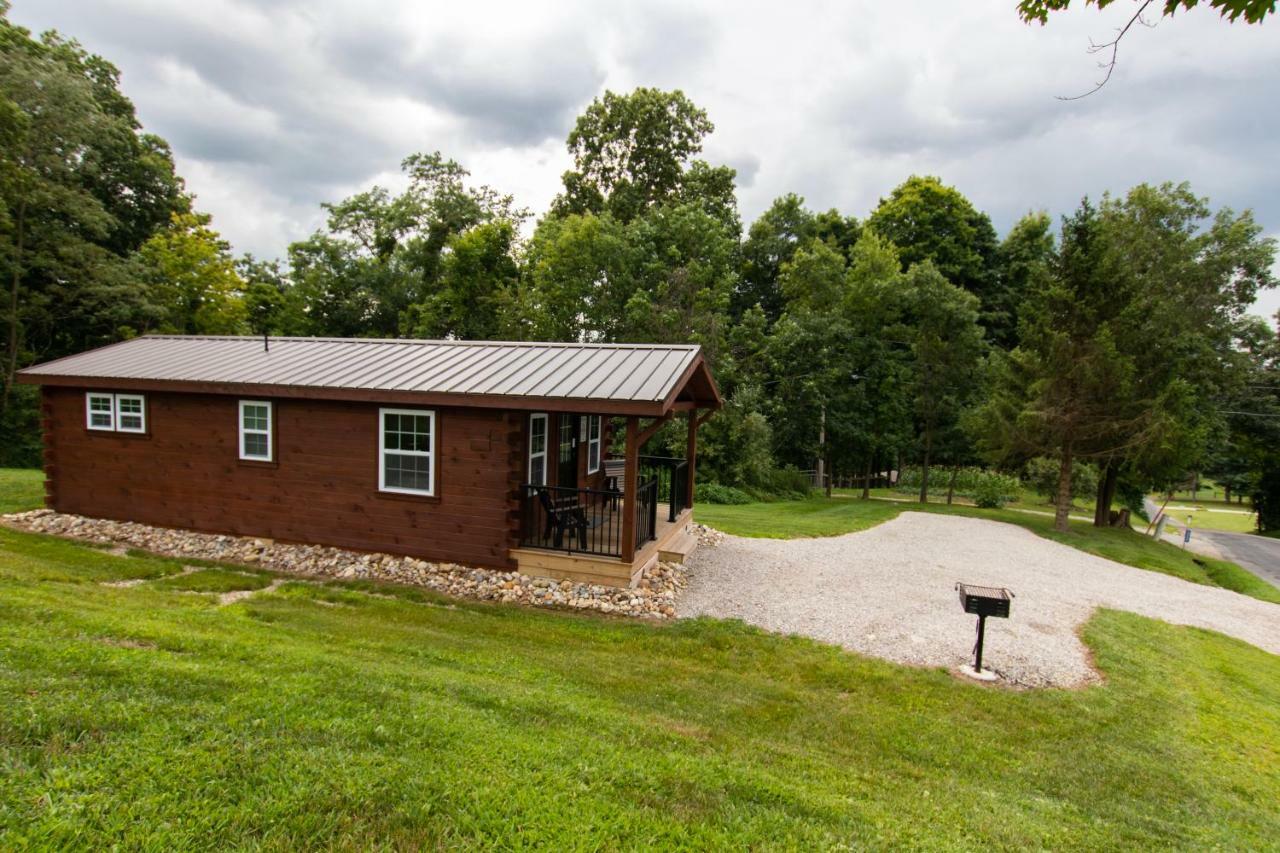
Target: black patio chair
[{"x": 565, "y": 515}]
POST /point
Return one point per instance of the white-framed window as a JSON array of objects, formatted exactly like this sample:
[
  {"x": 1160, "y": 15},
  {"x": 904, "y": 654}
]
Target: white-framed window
[
  {"x": 100, "y": 411},
  {"x": 256, "y": 425},
  {"x": 593, "y": 444},
  {"x": 406, "y": 451},
  {"x": 131, "y": 413},
  {"x": 538, "y": 449}
]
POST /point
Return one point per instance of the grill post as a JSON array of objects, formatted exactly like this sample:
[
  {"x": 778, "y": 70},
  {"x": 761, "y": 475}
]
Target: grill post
[{"x": 982, "y": 630}]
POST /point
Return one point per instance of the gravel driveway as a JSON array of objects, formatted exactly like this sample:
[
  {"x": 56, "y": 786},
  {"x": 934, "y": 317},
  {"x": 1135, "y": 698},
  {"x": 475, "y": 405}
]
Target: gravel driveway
[{"x": 889, "y": 592}]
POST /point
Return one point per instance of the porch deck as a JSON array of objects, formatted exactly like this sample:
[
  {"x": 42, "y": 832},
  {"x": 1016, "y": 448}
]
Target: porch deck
[{"x": 671, "y": 541}]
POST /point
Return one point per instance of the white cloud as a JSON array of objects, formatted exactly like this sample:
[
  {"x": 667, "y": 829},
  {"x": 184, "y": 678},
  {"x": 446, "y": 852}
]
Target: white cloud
[{"x": 275, "y": 106}]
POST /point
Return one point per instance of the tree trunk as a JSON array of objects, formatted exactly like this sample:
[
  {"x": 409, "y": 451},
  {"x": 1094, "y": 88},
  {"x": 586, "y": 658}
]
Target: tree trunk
[
  {"x": 822, "y": 450},
  {"x": 924, "y": 466},
  {"x": 1062, "y": 511},
  {"x": 1106, "y": 495},
  {"x": 951, "y": 486},
  {"x": 866, "y": 479},
  {"x": 1226, "y": 492},
  {"x": 11, "y": 357}
]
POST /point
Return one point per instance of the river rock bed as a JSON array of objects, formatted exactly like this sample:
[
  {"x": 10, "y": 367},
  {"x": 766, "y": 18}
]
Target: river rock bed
[{"x": 653, "y": 596}]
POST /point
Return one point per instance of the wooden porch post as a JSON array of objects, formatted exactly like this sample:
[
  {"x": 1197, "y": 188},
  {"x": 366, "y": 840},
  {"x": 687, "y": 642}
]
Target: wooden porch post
[
  {"x": 629, "y": 490},
  {"x": 691, "y": 457}
]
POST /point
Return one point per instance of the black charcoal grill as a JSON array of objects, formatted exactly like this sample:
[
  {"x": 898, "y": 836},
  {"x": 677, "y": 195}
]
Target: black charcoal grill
[{"x": 983, "y": 601}]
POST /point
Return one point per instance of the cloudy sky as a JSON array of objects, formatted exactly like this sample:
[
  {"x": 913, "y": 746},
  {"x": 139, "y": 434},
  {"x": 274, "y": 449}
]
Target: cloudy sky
[{"x": 273, "y": 106}]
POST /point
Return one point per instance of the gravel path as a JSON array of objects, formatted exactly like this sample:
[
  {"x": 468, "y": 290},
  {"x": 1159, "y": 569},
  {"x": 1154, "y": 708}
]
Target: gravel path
[{"x": 889, "y": 592}]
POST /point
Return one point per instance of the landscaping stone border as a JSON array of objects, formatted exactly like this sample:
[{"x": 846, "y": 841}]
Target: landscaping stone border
[{"x": 652, "y": 598}]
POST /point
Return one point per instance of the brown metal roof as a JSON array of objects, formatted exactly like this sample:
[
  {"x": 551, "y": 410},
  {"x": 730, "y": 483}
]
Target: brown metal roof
[{"x": 644, "y": 378}]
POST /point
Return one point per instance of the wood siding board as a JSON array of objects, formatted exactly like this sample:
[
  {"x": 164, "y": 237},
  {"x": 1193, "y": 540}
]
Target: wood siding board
[{"x": 187, "y": 476}]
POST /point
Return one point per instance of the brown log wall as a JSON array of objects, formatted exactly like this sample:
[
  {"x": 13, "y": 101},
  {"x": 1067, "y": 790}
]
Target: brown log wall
[{"x": 322, "y": 488}]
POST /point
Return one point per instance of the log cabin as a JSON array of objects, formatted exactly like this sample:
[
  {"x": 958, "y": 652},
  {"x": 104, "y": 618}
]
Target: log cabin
[{"x": 525, "y": 457}]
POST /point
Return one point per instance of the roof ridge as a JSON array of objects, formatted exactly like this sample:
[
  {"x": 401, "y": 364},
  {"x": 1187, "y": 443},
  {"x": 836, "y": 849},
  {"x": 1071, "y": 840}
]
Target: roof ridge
[{"x": 419, "y": 341}]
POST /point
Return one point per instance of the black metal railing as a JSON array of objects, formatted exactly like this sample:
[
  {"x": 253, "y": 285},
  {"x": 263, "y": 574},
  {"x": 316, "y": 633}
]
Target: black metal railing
[
  {"x": 672, "y": 475},
  {"x": 646, "y": 510},
  {"x": 585, "y": 521}
]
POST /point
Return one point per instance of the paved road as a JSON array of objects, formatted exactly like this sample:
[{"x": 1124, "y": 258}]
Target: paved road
[{"x": 1258, "y": 554}]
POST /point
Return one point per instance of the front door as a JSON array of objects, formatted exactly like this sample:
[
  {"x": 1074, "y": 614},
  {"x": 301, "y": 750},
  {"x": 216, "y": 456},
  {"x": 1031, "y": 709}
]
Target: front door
[{"x": 567, "y": 457}]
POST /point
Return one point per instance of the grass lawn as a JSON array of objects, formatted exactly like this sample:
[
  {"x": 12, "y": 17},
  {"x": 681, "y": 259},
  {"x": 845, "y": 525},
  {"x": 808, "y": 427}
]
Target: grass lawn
[
  {"x": 1211, "y": 515},
  {"x": 216, "y": 580},
  {"x": 143, "y": 717},
  {"x": 819, "y": 516},
  {"x": 21, "y": 489}
]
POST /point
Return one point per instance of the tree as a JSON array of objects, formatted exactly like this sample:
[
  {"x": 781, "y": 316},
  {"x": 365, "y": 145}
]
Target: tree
[
  {"x": 577, "y": 278},
  {"x": 379, "y": 267},
  {"x": 271, "y": 301},
  {"x": 1191, "y": 273},
  {"x": 193, "y": 279},
  {"x": 631, "y": 152},
  {"x": 1126, "y": 342},
  {"x": 1021, "y": 258},
  {"x": 81, "y": 188},
  {"x": 941, "y": 326},
  {"x": 1253, "y": 11},
  {"x": 1051, "y": 392},
  {"x": 684, "y": 264},
  {"x": 643, "y": 242},
  {"x": 477, "y": 281},
  {"x": 929, "y": 221},
  {"x": 771, "y": 242}
]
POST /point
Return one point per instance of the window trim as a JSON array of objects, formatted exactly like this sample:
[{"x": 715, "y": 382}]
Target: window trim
[
  {"x": 383, "y": 450},
  {"x": 269, "y": 432},
  {"x": 595, "y": 421},
  {"x": 142, "y": 413},
  {"x": 546, "y": 445},
  {"x": 89, "y": 413}
]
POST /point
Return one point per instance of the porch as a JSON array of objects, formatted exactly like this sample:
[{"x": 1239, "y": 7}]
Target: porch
[
  {"x": 637, "y": 512},
  {"x": 671, "y": 541}
]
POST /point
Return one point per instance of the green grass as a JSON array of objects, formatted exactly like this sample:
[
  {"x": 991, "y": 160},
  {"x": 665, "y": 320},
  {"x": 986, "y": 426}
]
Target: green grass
[
  {"x": 21, "y": 489},
  {"x": 216, "y": 580},
  {"x": 1212, "y": 515},
  {"x": 796, "y": 519},
  {"x": 326, "y": 717},
  {"x": 820, "y": 516}
]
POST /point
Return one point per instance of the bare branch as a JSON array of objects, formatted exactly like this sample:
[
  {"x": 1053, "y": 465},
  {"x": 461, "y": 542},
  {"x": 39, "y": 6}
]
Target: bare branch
[{"x": 1114, "y": 46}]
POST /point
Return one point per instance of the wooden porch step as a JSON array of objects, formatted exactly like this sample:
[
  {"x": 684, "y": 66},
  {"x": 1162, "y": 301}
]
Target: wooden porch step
[{"x": 677, "y": 548}]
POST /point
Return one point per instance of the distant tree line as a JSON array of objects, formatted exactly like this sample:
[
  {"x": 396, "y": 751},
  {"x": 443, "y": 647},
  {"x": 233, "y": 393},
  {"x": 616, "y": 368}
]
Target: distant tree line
[{"x": 913, "y": 335}]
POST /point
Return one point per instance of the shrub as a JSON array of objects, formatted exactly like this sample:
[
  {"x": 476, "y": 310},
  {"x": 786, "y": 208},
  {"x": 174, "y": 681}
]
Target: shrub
[
  {"x": 783, "y": 483},
  {"x": 714, "y": 493},
  {"x": 967, "y": 480},
  {"x": 1041, "y": 475},
  {"x": 992, "y": 490}
]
